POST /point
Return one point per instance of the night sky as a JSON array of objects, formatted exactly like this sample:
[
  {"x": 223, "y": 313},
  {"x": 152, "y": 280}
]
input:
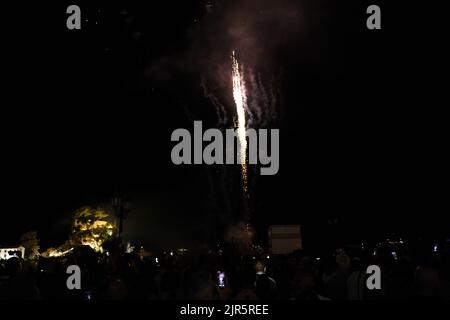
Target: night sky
[{"x": 89, "y": 113}]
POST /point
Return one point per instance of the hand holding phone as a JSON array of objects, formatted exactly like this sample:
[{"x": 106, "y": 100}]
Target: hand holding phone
[{"x": 221, "y": 279}]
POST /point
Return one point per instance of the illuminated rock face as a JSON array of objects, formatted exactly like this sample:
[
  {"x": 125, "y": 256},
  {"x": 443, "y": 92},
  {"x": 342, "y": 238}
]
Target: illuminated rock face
[{"x": 7, "y": 253}]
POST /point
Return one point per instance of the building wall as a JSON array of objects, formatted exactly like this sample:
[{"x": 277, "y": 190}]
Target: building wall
[{"x": 5, "y": 252}]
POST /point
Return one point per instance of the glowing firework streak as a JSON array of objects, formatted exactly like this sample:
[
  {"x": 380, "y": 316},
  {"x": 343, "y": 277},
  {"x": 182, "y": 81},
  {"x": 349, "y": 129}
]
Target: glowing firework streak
[{"x": 240, "y": 99}]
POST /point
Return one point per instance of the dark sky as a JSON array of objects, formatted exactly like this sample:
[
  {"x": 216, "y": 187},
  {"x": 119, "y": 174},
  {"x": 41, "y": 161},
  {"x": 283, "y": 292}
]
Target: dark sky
[{"x": 89, "y": 113}]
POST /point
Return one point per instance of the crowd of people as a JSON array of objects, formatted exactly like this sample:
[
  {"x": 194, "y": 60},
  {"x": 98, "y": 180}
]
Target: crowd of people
[{"x": 226, "y": 274}]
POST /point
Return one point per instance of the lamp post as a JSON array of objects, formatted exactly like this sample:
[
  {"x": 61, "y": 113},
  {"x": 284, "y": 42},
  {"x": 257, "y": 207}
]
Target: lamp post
[{"x": 121, "y": 208}]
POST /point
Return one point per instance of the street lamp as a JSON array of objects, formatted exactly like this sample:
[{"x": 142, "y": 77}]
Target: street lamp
[{"x": 121, "y": 208}]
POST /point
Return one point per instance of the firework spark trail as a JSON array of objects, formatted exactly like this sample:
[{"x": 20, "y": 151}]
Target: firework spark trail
[
  {"x": 274, "y": 101},
  {"x": 264, "y": 100},
  {"x": 240, "y": 99},
  {"x": 254, "y": 111},
  {"x": 220, "y": 109}
]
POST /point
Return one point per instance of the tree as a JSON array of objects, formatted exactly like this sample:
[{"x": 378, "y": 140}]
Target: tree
[
  {"x": 29, "y": 240},
  {"x": 90, "y": 228}
]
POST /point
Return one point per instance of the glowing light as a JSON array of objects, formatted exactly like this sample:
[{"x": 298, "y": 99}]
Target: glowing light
[
  {"x": 93, "y": 244},
  {"x": 57, "y": 253},
  {"x": 240, "y": 100}
]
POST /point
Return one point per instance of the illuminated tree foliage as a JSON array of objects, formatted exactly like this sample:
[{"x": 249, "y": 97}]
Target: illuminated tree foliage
[
  {"x": 30, "y": 242},
  {"x": 90, "y": 228}
]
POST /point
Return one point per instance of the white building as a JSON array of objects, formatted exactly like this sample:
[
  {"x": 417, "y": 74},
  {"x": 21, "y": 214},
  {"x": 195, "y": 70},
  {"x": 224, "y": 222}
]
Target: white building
[
  {"x": 285, "y": 239},
  {"x": 10, "y": 252}
]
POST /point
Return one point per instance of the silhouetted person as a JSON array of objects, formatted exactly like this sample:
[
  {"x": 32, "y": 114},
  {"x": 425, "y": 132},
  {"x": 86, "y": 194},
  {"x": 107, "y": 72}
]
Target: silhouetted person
[
  {"x": 356, "y": 282},
  {"x": 305, "y": 287},
  {"x": 426, "y": 283},
  {"x": 247, "y": 291},
  {"x": 18, "y": 285},
  {"x": 336, "y": 283},
  {"x": 266, "y": 287}
]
